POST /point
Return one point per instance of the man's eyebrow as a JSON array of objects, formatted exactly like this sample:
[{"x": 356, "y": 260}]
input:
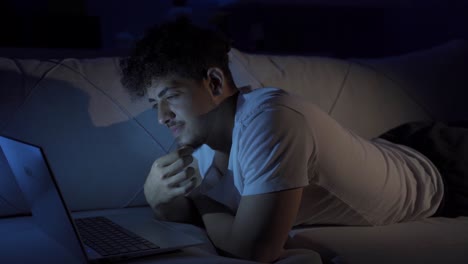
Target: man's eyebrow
[{"x": 161, "y": 94}]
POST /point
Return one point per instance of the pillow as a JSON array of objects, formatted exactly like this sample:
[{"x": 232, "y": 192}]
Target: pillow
[{"x": 240, "y": 72}]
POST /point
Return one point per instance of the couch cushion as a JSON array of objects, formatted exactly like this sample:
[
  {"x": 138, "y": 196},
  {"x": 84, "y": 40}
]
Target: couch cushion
[
  {"x": 318, "y": 79},
  {"x": 359, "y": 97},
  {"x": 436, "y": 78},
  {"x": 370, "y": 103}
]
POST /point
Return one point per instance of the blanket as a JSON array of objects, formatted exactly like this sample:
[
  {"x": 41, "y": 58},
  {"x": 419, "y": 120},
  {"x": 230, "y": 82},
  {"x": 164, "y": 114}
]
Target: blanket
[{"x": 446, "y": 145}]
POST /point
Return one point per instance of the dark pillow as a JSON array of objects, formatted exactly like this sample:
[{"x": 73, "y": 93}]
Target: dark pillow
[{"x": 446, "y": 145}]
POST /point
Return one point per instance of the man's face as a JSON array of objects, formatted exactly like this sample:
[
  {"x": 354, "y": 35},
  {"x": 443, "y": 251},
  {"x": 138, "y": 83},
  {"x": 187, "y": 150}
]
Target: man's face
[{"x": 184, "y": 106}]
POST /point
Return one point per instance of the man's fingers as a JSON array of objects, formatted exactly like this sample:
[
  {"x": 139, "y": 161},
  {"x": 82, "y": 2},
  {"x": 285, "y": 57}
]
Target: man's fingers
[
  {"x": 172, "y": 157},
  {"x": 177, "y": 166},
  {"x": 185, "y": 150},
  {"x": 185, "y": 187},
  {"x": 180, "y": 177},
  {"x": 166, "y": 160}
]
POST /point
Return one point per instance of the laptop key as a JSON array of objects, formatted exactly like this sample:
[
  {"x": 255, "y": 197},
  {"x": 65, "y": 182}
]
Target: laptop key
[
  {"x": 108, "y": 238},
  {"x": 124, "y": 250},
  {"x": 133, "y": 249},
  {"x": 152, "y": 246}
]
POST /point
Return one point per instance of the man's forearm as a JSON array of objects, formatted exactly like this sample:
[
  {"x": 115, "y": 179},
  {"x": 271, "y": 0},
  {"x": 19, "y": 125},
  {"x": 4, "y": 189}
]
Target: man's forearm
[
  {"x": 256, "y": 231},
  {"x": 218, "y": 221},
  {"x": 217, "y": 218},
  {"x": 180, "y": 210}
]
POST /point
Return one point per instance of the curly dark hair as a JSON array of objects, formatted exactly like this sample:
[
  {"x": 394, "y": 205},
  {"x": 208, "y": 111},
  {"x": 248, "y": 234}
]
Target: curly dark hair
[{"x": 178, "y": 49}]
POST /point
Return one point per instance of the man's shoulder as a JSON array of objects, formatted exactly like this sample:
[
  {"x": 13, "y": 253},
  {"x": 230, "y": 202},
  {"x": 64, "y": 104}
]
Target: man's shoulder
[
  {"x": 263, "y": 101},
  {"x": 259, "y": 95},
  {"x": 254, "y": 101}
]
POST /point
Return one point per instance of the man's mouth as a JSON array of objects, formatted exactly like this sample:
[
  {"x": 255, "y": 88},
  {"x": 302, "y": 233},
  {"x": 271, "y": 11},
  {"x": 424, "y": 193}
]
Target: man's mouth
[{"x": 176, "y": 129}]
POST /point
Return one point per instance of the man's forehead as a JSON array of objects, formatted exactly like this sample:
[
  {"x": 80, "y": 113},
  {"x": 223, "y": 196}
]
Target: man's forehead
[
  {"x": 163, "y": 83},
  {"x": 167, "y": 84},
  {"x": 157, "y": 87}
]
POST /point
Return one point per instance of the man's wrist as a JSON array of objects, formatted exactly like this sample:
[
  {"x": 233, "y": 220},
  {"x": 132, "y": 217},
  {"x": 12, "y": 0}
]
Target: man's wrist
[
  {"x": 160, "y": 210},
  {"x": 180, "y": 209}
]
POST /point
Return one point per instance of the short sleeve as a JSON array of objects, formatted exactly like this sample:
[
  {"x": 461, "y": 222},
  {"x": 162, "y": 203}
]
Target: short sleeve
[
  {"x": 204, "y": 156},
  {"x": 274, "y": 151}
]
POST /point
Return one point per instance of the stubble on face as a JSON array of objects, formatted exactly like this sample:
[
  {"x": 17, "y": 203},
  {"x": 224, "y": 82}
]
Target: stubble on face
[
  {"x": 197, "y": 131},
  {"x": 195, "y": 115}
]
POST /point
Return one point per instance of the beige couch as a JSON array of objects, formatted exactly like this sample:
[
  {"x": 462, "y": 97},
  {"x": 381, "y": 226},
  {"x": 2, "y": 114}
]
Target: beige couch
[{"x": 101, "y": 145}]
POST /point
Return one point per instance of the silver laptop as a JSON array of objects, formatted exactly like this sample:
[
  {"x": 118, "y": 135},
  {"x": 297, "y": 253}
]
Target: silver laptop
[{"x": 91, "y": 239}]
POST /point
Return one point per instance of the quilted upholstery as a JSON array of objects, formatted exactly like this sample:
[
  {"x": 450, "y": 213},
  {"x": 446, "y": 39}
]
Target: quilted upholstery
[{"x": 100, "y": 144}]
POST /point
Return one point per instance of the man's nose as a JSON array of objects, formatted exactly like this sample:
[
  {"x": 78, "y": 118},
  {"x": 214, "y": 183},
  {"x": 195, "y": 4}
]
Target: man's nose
[{"x": 165, "y": 114}]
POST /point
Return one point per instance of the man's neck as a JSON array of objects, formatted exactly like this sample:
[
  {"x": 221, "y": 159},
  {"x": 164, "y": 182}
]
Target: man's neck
[{"x": 224, "y": 125}]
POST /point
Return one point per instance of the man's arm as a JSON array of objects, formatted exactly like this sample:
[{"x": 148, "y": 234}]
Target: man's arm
[
  {"x": 259, "y": 229},
  {"x": 274, "y": 150},
  {"x": 181, "y": 209}
]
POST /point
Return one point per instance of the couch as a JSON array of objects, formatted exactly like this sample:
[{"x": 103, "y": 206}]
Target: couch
[{"x": 100, "y": 144}]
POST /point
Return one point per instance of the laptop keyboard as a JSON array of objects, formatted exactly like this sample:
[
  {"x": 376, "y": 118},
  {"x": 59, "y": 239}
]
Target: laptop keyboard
[{"x": 107, "y": 238}]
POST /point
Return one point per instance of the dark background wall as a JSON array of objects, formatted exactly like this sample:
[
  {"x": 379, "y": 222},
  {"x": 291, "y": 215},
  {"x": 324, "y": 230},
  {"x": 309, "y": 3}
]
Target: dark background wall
[{"x": 339, "y": 28}]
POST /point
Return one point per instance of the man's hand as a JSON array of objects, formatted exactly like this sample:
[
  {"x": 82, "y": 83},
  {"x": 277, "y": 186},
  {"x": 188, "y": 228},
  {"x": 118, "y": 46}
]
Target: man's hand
[{"x": 170, "y": 177}]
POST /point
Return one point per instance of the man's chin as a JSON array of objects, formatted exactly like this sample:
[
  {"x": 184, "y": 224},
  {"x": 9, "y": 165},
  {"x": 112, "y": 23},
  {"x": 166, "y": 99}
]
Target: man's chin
[{"x": 192, "y": 143}]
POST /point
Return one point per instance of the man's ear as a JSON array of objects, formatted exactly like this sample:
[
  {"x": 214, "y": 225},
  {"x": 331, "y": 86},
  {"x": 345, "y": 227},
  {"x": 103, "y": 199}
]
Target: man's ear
[{"x": 216, "y": 81}]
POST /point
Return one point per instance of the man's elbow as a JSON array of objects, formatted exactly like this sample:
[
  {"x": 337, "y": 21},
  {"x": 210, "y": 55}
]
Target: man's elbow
[
  {"x": 263, "y": 254},
  {"x": 266, "y": 255}
]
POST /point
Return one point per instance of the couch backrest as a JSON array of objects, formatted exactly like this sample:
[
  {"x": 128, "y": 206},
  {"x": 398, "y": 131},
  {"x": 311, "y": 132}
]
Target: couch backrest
[
  {"x": 101, "y": 145},
  {"x": 75, "y": 109},
  {"x": 359, "y": 97}
]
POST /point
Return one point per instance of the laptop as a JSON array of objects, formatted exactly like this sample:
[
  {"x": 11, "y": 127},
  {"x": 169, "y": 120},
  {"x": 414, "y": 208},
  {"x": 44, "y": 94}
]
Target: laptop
[{"x": 104, "y": 238}]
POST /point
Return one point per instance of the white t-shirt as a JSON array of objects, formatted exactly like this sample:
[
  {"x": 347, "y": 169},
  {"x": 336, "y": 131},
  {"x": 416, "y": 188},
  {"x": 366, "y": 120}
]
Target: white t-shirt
[
  {"x": 280, "y": 142},
  {"x": 264, "y": 149}
]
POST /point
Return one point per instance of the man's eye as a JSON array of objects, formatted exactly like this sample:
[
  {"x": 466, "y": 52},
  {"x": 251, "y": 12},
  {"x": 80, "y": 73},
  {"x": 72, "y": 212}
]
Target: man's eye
[
  {"x": 172, "y": 96},
  {"x": 155, "y": 106}
]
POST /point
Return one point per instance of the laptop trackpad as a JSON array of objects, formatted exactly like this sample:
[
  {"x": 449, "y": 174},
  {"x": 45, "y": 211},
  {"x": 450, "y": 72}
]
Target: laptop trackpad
[{"x": 157, "y": 232}]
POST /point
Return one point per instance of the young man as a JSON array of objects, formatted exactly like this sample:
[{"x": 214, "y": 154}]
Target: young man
[{"x": 269, "y": 160}]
